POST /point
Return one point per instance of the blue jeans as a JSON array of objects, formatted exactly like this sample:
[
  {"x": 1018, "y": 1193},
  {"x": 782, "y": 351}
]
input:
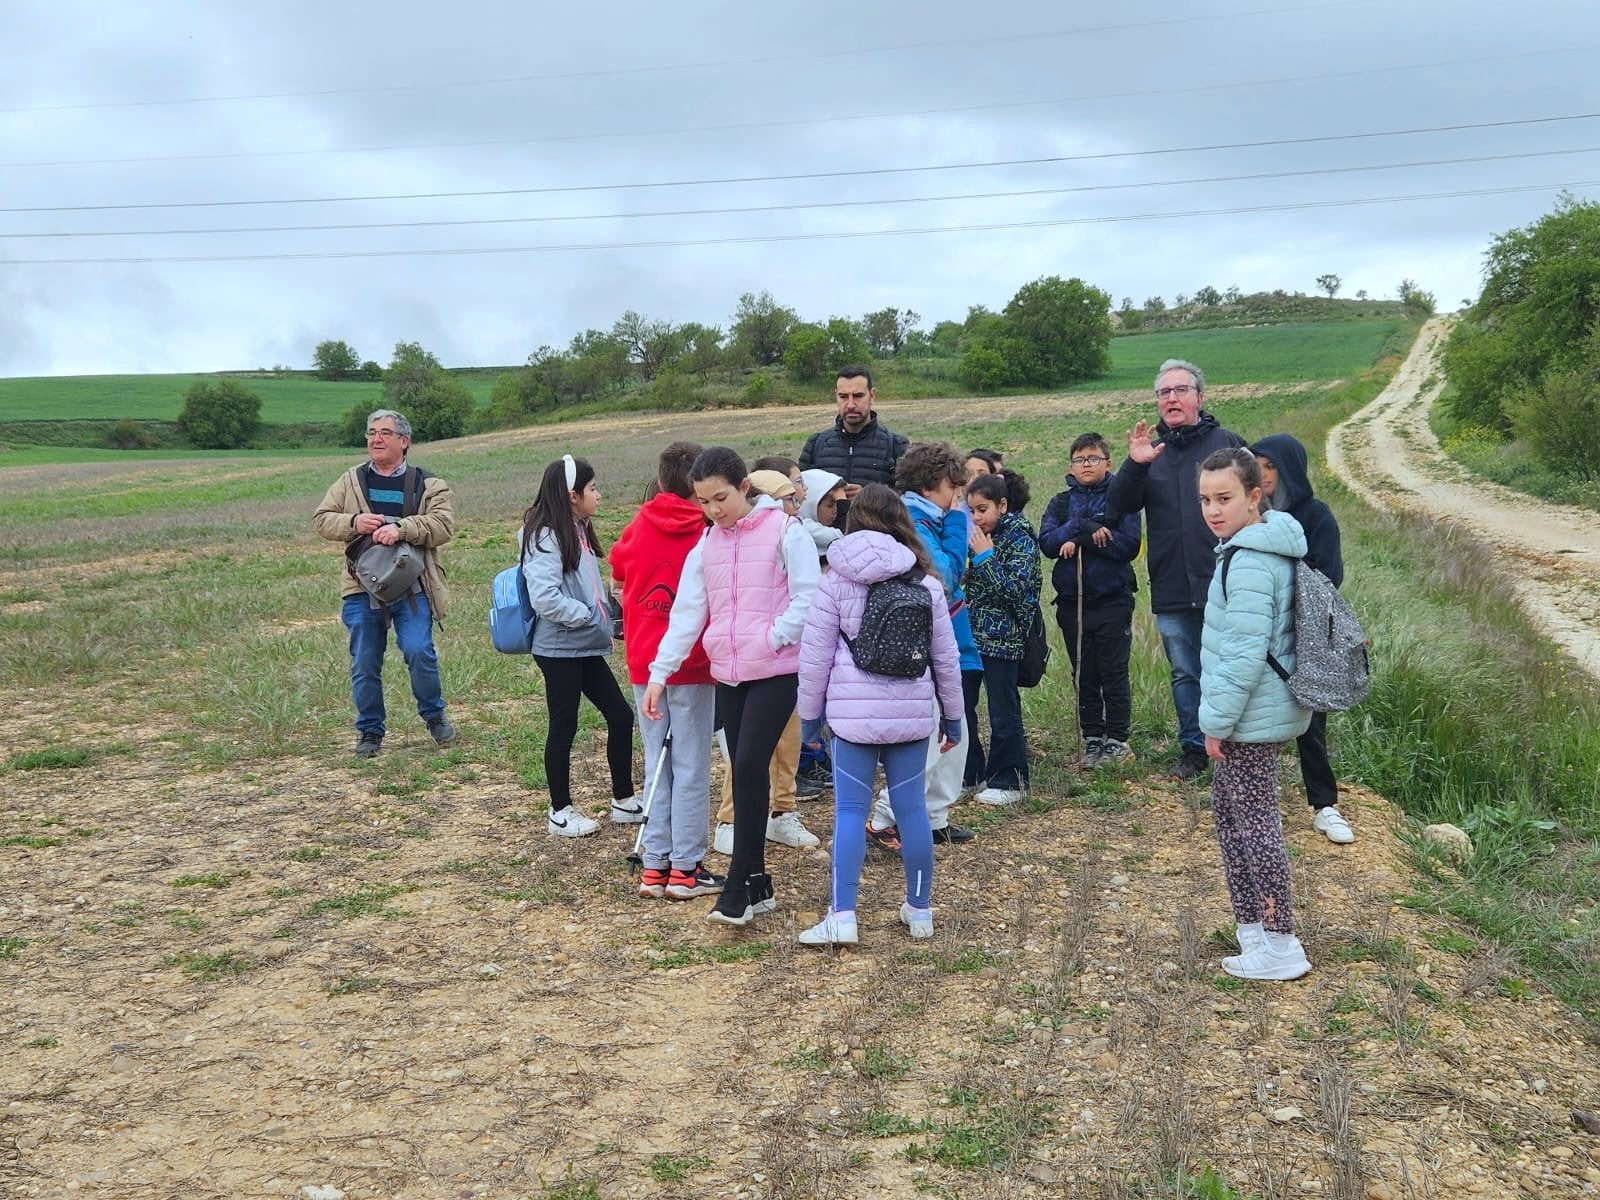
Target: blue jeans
[
  {"x": 369, "y": 638},
  {"x": 1180, "y": 638},
  {"x": 1008, "y": 744}
]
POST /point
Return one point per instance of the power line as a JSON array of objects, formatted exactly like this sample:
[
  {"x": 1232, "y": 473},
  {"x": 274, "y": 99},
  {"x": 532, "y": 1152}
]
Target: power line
[
  {"x": 755, "y": 239},
  {"x": 1211, "y": 86},
  {"x": 612, "y": 72},
  {"x": 807, "y": 206},
  {"x": 848, "y": 174}
]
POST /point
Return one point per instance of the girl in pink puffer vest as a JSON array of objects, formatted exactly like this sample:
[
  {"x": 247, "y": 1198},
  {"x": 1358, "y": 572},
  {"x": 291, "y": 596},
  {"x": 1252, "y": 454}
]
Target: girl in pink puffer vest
[
  {"x": 876, "y": 718},
  {"x": 744, "y": 590}
]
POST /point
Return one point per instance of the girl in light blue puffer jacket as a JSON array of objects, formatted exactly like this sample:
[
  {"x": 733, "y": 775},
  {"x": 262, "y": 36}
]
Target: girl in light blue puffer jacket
[{"x": 1246, "y": 712}]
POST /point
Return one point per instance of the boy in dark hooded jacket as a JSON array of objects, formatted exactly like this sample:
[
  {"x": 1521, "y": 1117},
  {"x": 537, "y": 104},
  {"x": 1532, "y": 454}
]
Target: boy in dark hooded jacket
[
  {"x": 1286, "y": 486},
  {"x": 1085, "y": 541}
]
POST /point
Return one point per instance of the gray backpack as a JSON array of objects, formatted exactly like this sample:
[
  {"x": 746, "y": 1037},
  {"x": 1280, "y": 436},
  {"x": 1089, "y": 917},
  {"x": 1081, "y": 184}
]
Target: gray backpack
[
  {"x": 896, "y": 634},
  {"x": 389, "y": 573},
  {"x": 1332, "y": 672}
]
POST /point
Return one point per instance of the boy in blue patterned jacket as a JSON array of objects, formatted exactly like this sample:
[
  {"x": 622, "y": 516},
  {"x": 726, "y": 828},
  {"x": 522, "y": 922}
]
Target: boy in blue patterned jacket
[{"x": 1085, "y": 542}]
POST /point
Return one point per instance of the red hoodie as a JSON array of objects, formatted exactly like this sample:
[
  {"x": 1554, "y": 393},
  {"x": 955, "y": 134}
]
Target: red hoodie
[{"x": 647, "y": 561}]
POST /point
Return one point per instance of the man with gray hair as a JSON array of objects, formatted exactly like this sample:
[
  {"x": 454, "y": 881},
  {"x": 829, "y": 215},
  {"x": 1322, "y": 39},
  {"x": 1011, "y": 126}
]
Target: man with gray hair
[
  {"x": 386, "y": 500},
  {"x": 1162, "y": 477}
]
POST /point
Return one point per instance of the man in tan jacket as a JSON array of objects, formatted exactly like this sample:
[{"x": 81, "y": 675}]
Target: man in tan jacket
[{"x": 391, "y": 501}]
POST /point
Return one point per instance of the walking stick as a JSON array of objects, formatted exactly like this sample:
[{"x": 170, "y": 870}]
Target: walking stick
[
  {"x": 634, "y": 857},
  {"x": 1077, "y": 663}
]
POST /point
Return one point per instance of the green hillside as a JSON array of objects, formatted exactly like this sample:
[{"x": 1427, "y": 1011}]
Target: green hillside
[
  {"x": 1258, "y": 354},
  {"x": 286, "y": 399}
]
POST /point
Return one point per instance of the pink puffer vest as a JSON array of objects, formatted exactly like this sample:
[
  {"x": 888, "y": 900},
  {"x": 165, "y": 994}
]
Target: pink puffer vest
[{"x": 747, "y": 590}]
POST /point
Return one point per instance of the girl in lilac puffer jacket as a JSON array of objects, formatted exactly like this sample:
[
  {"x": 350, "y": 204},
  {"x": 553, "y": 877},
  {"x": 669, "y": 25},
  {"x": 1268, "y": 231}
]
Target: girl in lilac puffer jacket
[{"x": 876, "y": 718}]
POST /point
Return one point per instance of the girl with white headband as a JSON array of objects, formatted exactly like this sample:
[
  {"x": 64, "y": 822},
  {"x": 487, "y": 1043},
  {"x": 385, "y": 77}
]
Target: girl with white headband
[{"x": 571, "y": 639}]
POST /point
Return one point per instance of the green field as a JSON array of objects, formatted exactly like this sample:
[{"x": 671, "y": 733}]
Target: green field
[
  {"x": 1264, "y": 354},
  {"x": 285, "y": 399}
]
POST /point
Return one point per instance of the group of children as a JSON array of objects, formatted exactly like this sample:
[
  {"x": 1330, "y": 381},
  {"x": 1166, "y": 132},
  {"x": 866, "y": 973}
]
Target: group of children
[{"x": 745, "y": 610}]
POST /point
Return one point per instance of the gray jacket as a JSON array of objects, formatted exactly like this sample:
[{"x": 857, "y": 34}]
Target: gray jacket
[{"x": 573, "y": 621}]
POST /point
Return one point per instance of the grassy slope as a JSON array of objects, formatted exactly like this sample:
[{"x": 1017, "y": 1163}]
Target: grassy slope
[
  {"x": 1266, "y": 354},
  {"x": 284, "y": 399}
]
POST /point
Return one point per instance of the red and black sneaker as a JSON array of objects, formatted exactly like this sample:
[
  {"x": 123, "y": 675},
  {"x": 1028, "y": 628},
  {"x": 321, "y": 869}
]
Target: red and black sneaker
[
  {"x": 884, "y": 839},
  {"x": 653, "y": 884},
  {"x": 686, "y": 885}
]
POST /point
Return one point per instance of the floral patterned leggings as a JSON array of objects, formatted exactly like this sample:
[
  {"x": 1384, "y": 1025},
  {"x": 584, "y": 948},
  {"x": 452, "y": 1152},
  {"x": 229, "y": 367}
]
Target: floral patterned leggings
[{"x": 1244, "y": 802}]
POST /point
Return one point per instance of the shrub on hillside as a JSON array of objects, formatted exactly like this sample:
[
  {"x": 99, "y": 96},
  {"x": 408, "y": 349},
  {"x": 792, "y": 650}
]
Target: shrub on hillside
[
  {"x": 335, "y": 360},
  {"x": 128, "y": 434},
  {"x": 353, "y": 425},
  {"x": 1558, "y": 416},
  {"x": 219, "y": 414}
]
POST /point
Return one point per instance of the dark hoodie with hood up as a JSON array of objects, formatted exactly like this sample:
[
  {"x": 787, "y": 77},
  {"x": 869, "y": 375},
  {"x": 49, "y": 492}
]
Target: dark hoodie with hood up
[
  {"x": 1182, "y": 549},
  {"x": 1294, "y": 497},
  {"x": 647, "y": 560}
]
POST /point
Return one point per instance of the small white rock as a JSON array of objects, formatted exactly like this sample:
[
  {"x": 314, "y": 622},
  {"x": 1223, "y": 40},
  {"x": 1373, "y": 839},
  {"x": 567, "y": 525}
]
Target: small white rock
[{"x": 320, "y": 1191}]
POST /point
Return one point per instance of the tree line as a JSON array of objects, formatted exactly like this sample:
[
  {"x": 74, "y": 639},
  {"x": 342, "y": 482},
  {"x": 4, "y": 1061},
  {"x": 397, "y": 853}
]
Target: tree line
[{"x": 1524, "y": 361}]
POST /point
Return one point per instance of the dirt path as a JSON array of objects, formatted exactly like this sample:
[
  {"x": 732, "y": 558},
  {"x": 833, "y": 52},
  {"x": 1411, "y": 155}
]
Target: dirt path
[{"x": 1551, "y": 553}]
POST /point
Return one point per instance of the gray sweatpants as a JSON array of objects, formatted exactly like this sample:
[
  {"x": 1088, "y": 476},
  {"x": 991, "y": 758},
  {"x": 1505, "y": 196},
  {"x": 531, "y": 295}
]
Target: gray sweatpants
[
  {"x": 941, "y": 783},
  {"x": 677, "y": 833}
]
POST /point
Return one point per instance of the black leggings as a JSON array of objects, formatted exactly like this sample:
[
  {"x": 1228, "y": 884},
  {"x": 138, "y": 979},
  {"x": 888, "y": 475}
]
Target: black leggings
[
  {"x": 565, "y": 680},
  {"x": 753, "y": 717}
]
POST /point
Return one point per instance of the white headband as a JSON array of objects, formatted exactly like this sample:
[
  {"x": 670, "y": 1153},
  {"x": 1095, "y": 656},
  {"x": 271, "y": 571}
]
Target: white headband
[{"x": 572, "y": 472}]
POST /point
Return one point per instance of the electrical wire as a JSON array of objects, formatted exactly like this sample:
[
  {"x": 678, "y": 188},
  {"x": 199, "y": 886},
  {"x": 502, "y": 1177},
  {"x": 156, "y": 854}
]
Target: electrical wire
[
  {"x": 755, "y": 239},
  {"x": 722, "y": 64},
  {"x": 808, "y": 206},
  {"x": 1209, "y": 87},
  {"x": 786, "y": 178}
]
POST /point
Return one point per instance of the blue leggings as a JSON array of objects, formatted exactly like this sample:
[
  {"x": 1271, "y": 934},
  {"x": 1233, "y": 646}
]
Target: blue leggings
[{"x": 854, "y": 767}]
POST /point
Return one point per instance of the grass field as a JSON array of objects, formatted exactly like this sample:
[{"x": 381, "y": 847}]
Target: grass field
[
  {"x": 1267, "y": 354},
  {"x": 285, "y": 400},
  {"x": 382, "y": 974}
]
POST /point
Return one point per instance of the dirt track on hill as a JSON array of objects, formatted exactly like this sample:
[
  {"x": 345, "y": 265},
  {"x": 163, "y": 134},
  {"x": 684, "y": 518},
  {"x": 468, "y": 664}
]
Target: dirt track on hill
[{"x": 1388, "y": 455}]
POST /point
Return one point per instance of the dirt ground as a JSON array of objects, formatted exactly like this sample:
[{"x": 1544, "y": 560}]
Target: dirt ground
[
  {"x": 248, "y": 982},
  {"x": 1387, "y": 454}
]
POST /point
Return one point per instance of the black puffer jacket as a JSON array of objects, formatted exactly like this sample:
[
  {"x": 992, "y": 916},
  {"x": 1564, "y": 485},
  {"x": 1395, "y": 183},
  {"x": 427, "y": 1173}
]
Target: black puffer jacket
[
  {"x": 865, "y": 457},
  {"x": 1182, "y": 548}
]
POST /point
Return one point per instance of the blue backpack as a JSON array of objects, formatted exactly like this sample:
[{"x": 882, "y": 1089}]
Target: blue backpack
[{"x": 511, "y": 615}]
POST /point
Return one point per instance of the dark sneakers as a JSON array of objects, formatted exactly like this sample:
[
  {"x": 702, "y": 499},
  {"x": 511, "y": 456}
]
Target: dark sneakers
[
  {"x": 884, "y": 839},
  {"x": 368, "y": 745},
  {"x": 813, "y": 781},
  {"x": 1191, "y": 766},
  {"x": 952, "y": 835},
  {"x": 443, "y": 732},
  {"x": 742, "y": 900},
  {"x": 686, "y": 885}
]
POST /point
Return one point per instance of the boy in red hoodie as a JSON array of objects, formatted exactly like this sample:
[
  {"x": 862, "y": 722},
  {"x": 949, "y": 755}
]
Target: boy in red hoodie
[{"x": 646, "y": 561}]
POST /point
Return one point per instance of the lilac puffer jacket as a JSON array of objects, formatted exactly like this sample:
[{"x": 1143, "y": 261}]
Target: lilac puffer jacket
[{"x": 872, "y": 710}]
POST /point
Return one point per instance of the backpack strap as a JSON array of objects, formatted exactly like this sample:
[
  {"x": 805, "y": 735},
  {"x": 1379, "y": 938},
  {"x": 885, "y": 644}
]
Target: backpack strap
[
  {"x": 1272, "y": 659},
  {"x": 416, "y": 478}
]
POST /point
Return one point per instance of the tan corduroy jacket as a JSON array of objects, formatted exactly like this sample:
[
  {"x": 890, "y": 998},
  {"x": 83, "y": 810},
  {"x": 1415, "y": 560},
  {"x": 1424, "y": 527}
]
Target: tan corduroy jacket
[{"x": 432, "y": 526}]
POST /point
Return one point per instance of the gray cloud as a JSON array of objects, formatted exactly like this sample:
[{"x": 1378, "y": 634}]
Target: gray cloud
[{"x": 1225, "y": 78}]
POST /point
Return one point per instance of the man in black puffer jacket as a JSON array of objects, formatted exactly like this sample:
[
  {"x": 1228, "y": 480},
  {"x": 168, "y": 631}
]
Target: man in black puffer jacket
[
  {"x": 857, "y": 449},
  {"x": 1162, "y": 477}
]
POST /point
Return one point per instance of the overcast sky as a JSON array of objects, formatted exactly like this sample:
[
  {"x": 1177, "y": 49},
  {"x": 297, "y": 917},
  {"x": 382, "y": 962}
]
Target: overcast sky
[{"x": 190, "y": 104}]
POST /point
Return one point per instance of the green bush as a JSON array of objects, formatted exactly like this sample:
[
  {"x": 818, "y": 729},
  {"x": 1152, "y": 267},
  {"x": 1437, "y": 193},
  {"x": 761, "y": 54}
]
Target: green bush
[
  {"x": 219, "y": 414},
  {"x": 128, "y": 434},
  {"x": 1558, "y": 417},
  {"x": 353, "y": 425}
]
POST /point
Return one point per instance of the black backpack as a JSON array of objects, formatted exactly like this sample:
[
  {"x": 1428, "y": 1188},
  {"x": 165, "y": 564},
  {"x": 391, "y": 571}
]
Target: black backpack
[
  {"x": 1035, "y": 651},
  {"x": 896, "y": 634}
]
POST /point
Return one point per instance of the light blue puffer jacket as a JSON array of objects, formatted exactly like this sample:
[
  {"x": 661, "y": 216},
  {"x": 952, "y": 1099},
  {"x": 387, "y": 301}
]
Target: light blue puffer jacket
[{"x": 1241, "y": 697}]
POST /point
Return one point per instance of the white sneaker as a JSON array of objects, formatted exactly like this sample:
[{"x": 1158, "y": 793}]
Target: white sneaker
[
  {"x": 569, "y": 822},
  {"x": 918, "y": 920},
  {"x": 722, "y": 842},
  {"x": 627, "y": 812},
  {"x": 1263, "y": 962},
  {"x": 1331, "y": 823},
  {"x": 1250, "y": 936},
  {"x": 786, "y": 830},
  {"x": 998, "y": 796},
  {"x": 832, "y": 930}
]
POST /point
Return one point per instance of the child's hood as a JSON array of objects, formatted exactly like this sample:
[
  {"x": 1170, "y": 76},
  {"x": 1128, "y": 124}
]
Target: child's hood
[
  {"x": 868, "y": 556},
  {"x": 818, "y": 484},
  {"x": 672, "y": 515},
  {"x": 1276, "y": 533},
  {"x": 1289, "y": 456}
]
